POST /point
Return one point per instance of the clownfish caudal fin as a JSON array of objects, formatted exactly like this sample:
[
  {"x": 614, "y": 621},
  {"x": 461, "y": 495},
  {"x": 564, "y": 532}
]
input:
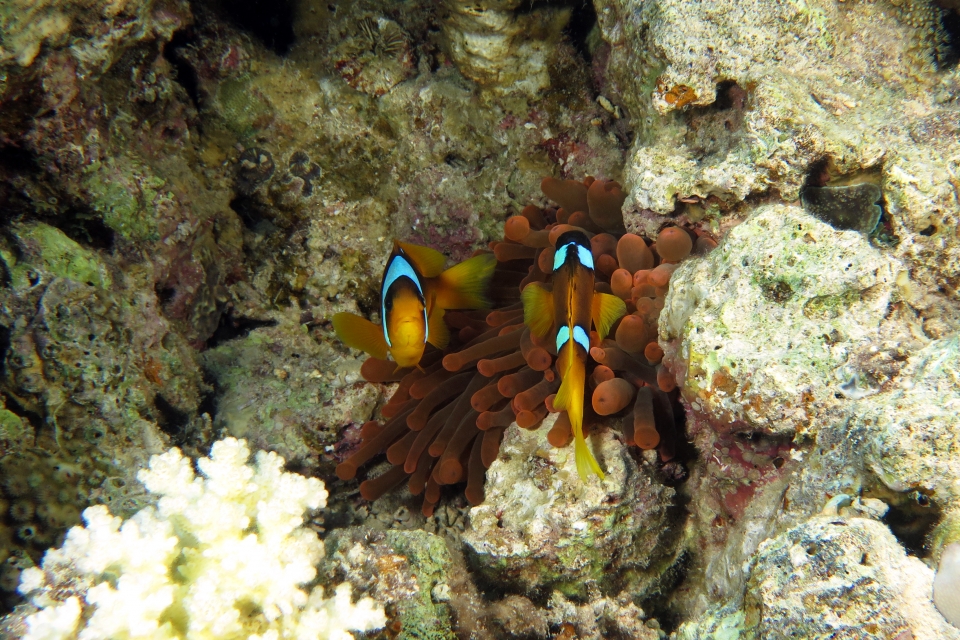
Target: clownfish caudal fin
[
  {"x": 464, "y": 285},
  {"x": 360, "y": 333},
  {"x": 607, "y": 309},
  {"x": 569, "y": 398},
  {"x": 537, "y": 309},
  {"x": 429, "y": 262},
  {"x": 438, "y": 332}
]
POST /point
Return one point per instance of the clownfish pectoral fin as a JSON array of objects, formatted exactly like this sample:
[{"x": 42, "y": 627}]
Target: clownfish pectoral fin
[
  {"x": 464, "y": 285},
  {"x": 429, "y": 262},
  {"x": 439, "y": 333},
  {"x": 607, "y": 309},
  {"x": 360, "y": 333},
  {"x": 537, "y": 309}
]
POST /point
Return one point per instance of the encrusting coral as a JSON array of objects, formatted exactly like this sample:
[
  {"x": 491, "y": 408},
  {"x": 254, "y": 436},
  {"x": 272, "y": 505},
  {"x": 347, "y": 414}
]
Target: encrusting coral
[
  {"x": 446, "y": 419},
  {"x": 223, "y": 556}
]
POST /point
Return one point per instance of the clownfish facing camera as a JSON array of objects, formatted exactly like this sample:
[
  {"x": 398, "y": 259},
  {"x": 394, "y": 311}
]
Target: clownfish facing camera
[
  {"x": 414, "y": 294},
  {"x": 568, "y": 310}
]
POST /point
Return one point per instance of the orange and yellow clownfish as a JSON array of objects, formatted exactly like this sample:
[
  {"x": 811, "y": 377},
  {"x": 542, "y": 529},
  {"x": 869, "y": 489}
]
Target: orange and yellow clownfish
[
  {"x": 568, "y": 310},
  {"x": 414, "y": 293}
]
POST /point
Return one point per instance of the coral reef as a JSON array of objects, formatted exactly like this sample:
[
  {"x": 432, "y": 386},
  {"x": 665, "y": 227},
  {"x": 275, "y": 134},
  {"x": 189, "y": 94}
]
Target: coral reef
[
  {"x": 190, "y": 190},
  {"x": 240, "y": 552},
  {"x": 734, "y": 103}
]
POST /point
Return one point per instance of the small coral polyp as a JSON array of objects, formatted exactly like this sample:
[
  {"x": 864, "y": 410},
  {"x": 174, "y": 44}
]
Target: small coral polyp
[{"x": 446, "y": 419}]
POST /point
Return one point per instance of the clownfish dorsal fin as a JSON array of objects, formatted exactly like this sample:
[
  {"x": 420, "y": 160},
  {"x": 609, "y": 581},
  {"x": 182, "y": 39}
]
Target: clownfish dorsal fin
[
  {"x": 464, "y": 285},
  {"x": 439, "y": 333},
  {"x": 537, "y": 309},
  {"x": 607, "y": 309},
  {"x": 428, "y": 262},
  {"x": 359, "y": 333}
]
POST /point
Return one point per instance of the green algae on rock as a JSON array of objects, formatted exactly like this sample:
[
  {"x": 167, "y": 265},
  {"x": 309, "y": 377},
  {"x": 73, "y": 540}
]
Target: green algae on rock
[{"x": 408, "y": 571}]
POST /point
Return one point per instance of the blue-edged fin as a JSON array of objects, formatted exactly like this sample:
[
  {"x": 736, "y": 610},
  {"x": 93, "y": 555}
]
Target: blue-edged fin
[
  {"x": 464, "y": 285},
  {"x": 439, "y": 332},
  {"x": 537, "y": 309},
  {"x": 607, "y": 309},
  {"x": 360, "y": 333},
  {"x": 429, "y": 262}
]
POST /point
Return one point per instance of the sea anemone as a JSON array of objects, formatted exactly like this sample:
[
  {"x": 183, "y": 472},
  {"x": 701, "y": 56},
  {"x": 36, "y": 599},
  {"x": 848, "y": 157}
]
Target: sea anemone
[{"x": 445, "y": 420}]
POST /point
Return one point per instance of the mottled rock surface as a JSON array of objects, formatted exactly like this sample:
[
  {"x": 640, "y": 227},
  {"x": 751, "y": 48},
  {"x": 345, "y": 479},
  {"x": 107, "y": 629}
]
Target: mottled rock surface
[
  {"x": 843, "y": 577},
  {"x": 542, "y": 526},
  {"x": 782, "y": 325},
  {"x": 734, "y": 101}
]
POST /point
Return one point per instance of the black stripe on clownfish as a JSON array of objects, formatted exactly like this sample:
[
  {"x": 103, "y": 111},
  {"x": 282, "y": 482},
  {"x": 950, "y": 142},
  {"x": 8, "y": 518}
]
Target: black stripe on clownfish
[
  {"x": 568, "y": 310},
  {"x": 414, "y": 294}
]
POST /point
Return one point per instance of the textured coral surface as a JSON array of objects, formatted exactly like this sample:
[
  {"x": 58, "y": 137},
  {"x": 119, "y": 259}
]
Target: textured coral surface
[{"x": 189, "y": 191}]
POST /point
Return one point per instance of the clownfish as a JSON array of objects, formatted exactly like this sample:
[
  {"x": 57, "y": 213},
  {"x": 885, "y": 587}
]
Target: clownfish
[
  {"x": 414, "y": 294},
  {"x": 568, "y": 310}
]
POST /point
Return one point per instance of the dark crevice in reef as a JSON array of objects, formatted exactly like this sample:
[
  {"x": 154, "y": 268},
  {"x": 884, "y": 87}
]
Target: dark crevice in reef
[
  {"x": 658, "y": 605},
  {"x": 208, "y": 399},
  {"x": 249, "y": 212},
  {"x": 948, "y": 49},
  {"x": 270, "y": 21},
  {"x": 911, "y": 519},
  {"x": 85, "y": 228},
  {"x": 172, "y": 421},
  {"x": 185, "y": 74},
  {"x": 4, "y": 348},
  {"x": 582, "y": 22},
  {"x": 231, "y": 328}
]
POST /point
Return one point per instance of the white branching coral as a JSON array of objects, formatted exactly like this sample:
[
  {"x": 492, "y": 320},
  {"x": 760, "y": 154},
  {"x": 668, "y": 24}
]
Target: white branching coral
[{"x": 224, "y": 555}]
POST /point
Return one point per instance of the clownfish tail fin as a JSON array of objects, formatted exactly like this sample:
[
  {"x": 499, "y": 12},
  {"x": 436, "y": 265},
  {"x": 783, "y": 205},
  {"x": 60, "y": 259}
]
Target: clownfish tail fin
[{"x": 569, "y": 398}]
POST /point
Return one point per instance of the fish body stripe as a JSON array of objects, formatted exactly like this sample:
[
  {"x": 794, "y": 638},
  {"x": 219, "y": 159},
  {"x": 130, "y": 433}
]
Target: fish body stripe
[
  {"x": 584, "y": 257},
  {"x": 579, "y": 336},
  {"x": 400, "y": 267}
]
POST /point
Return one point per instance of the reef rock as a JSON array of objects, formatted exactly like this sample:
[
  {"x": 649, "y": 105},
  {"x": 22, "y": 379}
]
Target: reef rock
[
  {"x": 845, "y": 577},
  {"x": 832, "y": 576},
  {"x": 781, "y": 326},
  {"x": 542, "y": 526},
  {"x": 734, "y": 100},
  {"x": 411, "y": 572},
  {"x": 913, "y": 443},
  {"x": 501, "y": 47},
  {"x": 285, "y": 390}
]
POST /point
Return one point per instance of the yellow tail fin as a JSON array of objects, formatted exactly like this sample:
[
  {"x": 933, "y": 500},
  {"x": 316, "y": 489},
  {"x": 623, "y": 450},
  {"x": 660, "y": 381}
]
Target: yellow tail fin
[
  {"x": 464, "y": 285},
  {"x": 569, "y": 398},
  {"x": 360, "y": 333}
]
